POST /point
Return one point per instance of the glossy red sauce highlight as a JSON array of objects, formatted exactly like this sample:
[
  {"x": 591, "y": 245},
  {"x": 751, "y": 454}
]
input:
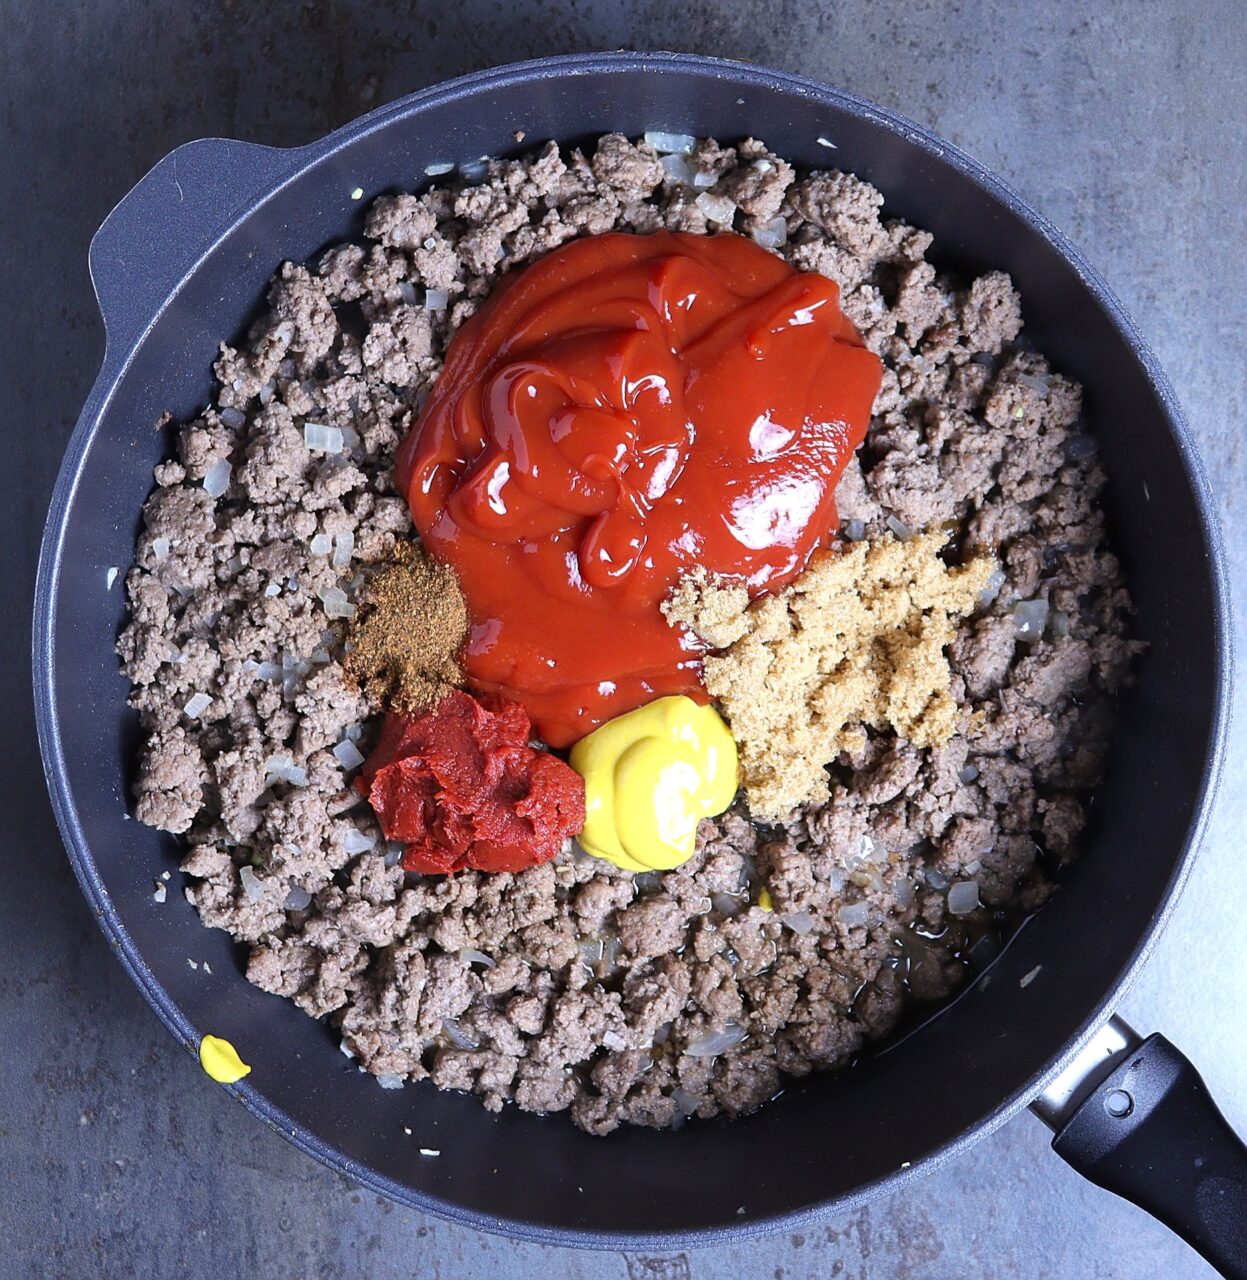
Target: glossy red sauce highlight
[{"x": 622, "y": 411}]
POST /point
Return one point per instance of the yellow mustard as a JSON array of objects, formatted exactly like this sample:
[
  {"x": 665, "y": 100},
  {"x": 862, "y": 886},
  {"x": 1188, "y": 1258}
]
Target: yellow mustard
[
  {"x": 220, "y": 1060},
  {"x": 651, "y": 775}
]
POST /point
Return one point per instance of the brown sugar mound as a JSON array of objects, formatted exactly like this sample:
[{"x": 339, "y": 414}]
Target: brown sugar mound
[
  {"x": 858, "y": 639},
  {"x": 405, "y": 643}
]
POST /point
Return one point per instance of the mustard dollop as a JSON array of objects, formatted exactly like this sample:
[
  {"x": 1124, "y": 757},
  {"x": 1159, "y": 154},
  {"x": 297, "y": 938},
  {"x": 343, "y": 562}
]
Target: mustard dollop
[
  {"x": 651, "y": 775},
  {"x": 220, "y": 1060}
]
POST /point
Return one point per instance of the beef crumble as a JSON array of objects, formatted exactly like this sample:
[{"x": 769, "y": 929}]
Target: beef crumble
[{"x": 623, "y": 998}]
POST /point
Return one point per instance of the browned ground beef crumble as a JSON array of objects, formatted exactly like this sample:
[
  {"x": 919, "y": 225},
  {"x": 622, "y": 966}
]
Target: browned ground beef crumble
[{"x": 628, "y": 999}]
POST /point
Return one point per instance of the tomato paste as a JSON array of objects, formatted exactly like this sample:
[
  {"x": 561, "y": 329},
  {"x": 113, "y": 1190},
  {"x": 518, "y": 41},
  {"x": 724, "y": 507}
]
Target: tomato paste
[
  {"x": 461, "y": 787},
  {"x": 622, "y": 411}
]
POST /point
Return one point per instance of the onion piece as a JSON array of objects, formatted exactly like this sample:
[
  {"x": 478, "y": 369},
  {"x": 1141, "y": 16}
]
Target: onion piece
[
  {"x": 963, "y": 897},
  {"x": 1029, "y": 618},
  {"x": 678, "y": 168},
  {"x": 719, "y": 209},
  {"x": 670, "y": 143},
  {"x": 853, "y": 914},
  {"x": 109, "y": 578},
  {"x": 343, "y": 550},
  {"x": 613, "y": 1041},
  {"x": 252, "y": 885},
  {"x": 471, "y": 956},
  {"x": 436, "y": 299},
  {"x": 321, "y": 544},
  {"x": 196, "y": 705},
  {"x": 281, "y": 768},
  {"x": 233, "y": 418},
  {"x": 335, "y": 602},
  {"x": 899, "y": 528},
  {"x": 297, "y": 898},
  {"x": 772, "y": 234},
  {"x": 725, "y": 904},
  {"x": 348, "y": 754},
  {"x": 160, "y": 549},
  {"x": 801, "y": 922},
  {"x": 357, "y": 841},
  {"x": 714, "y": 1043},
  {"x": 388, "y": 1080},
  {"x": 322, "y": 438},
  {"x": 439, "y": 167},
  {"x": 457, "y": 1036},
  {"x": 853, "y": 530},
  {"x": 217, "y": 477}
]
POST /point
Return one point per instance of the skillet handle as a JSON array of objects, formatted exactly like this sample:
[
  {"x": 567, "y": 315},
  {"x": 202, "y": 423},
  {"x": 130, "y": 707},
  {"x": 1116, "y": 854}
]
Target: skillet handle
[
  {"x": 166, "y": 223},
  {"x": 1150, "y": 1132}
]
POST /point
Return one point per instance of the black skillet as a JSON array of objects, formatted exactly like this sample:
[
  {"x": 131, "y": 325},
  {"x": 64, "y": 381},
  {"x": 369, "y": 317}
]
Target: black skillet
[{"x": 182, "y": 261}]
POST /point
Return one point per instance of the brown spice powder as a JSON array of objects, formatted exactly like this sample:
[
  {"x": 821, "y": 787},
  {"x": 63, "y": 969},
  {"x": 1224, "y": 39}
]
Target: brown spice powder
[
  {"x": 858, "y": 639},
  {"x": 406, "y": 639}
]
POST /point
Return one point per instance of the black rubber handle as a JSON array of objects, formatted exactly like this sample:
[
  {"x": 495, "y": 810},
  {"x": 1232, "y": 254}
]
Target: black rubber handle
[{"x": 1152, "y": 1133}]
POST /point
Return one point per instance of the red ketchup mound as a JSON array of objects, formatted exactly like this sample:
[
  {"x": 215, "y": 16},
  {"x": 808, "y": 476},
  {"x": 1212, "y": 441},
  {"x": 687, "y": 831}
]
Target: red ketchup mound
[
  {"x": 461, "y": 787},
  {"x": 624, "y": 410}
]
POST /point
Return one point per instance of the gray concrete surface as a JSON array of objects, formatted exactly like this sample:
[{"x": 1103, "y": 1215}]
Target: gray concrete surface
[{"x": 1124, "y": 121}]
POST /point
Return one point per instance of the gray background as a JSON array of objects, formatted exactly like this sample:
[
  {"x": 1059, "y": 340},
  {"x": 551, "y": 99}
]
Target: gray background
[{"x": 1122, "y": 121}]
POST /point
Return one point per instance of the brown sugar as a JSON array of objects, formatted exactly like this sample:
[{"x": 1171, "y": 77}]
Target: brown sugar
[
  {"x": 857, "y": 640},
  {"x": 405, "y": 642}
]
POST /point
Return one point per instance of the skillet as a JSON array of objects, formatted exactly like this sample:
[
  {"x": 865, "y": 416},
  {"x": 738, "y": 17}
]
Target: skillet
[{"x": 181, "y": 262}]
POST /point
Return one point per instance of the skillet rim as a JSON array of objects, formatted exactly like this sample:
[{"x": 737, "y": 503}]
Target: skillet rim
[{"x": 114, "y": 367}]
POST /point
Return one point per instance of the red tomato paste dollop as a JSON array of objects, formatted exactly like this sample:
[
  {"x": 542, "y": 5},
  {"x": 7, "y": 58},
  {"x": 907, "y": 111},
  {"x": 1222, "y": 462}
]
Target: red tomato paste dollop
[
  {"x": 461, "y": 787},
  {"x": 624, "y": 410}
]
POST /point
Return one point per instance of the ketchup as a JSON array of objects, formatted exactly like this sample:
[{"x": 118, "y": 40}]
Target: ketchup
[{"x": 627, "y": 409}]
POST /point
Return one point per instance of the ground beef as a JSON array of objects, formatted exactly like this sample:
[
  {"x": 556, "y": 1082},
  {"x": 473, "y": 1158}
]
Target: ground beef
[{"x": 640, "y": 999}]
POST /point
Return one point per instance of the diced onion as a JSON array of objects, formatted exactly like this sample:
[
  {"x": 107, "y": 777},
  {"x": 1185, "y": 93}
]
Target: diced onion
[
  {"x": 470, "y": 955},
  {"x": 613, "y": 1041},
  {"x": 267, "y": 390},
  {"x": 357, "y": 841},
  {"x": 457, "y": 1036},
  {"x": 321, "y": 544},
  {"x": 670, "y": 143},
  {"x": 995, "y": 580},
  {"x": 387, "y": 1080},
  {"x": 281, "y": 768},
  {"x": 678, "y": 168},
  {"x": 335, "y": 602},
  {"x": 899, "y": 528},
  {"x": 904, "y": 893},
  {"x": 297, "y": 898},
  {"x": 436, "y": 299},
  {"x": 343, "y": 550},
  {"x": 1058, "y": 624},
  {"x": 217, "y": 477},
  {"x": 801, "y": 922},
  {"x": 272, "y": 590},
  {"x": 233, "y": 418},
  {"x": 854, "y": 530},
  {"x": 963, "y": 897},
  {"x": 109, "y": 578},
  {"x": 968, "y": 774},
  {"x": 438, "y": 168},
  {"x": 718, "y": 209},
  {"x": 160, "y": 548},
  {"x": 196, "y": 705},
  {"x": 1029, "y": 618},
  {"x": 936, "y": 878},
  {"x": 407, "y": 291},
  {"x": 716, "y": 1042},
  {"x": 772, "y": 234},
  {"x": 725, "y": 904},
  {"x": 252, "y": 885},
  {"x": 349, "y": 755},
  {"x": 322, "y": 438},
  {"x": 853, "y": 914}
]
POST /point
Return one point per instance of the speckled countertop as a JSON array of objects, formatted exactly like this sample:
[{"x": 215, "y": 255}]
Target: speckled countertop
[{"x": 1123, "y": 122}]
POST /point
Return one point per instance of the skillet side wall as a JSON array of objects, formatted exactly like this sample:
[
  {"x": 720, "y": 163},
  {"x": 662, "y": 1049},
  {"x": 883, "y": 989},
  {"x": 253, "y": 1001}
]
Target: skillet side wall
[{"x": 962, "y": 1069}]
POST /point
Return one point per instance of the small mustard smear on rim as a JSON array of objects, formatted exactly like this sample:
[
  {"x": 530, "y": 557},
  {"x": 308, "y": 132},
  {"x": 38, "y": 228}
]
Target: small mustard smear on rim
[
  {"x": 220, "y": 1060},
  {"x": 651, "y": 776}
]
